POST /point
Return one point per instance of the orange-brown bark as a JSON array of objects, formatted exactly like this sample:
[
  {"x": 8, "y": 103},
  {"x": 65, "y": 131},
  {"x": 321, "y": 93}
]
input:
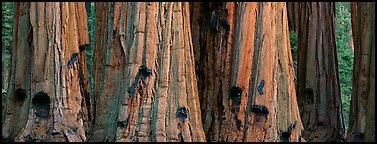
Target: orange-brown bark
[
  {"x": 245, "y": 68},
  {"x": 47, "y": 101},
  {"x": 145, "y": 83}
]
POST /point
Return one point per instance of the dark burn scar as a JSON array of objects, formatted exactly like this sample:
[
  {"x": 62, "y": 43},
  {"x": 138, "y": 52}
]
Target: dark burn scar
[
  {"x": 260, "y": 109},
  {"x": 260, "y": 87},
  {"x": 180, "y": 137},
  {"x": 182, "y": 113},
  {"x": 73, "y": 59},
  {"x": 285, "y": 135},
  {"x": 124, "y": 123},
  {"x": 238, "y": 122},
  {"x": 235, "y": 95},
  {"x": 143, "y": 72}
]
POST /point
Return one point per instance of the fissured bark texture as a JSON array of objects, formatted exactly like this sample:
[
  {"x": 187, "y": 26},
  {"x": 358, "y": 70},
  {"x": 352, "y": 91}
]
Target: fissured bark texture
[
  {"x": 362, "y": 113},
  {"x": 49, "y": 94},
  {"x": 245, "y": 72},
  {"x": 318, "y": 80},
  {"x": 145, "y": 83}
]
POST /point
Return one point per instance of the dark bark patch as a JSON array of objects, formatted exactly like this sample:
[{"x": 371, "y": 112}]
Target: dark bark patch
[
  {"x": 285, "y": 135},
  {"x": 20, "y": 94},
  {"x": 260, "y": 87},
  {"x": 74, "y": 129},
  {"x": 224, "y": 23},
  {"x": 114, "y": 32},
  {"x": 3, "y": 139},
  {"x": 144, "y": 72},
  {"x": 321, "y": 125},
  {"x": 180, "y": 137},
  {"x": 182, "y": 113},
  {"x": 84, "y": 47},
  {"x": 292, "y": 126},
  {"x": 361, "y": 135},
  {"x": 28, "y": 138},
  {"x": 260, "y": 110},
  {"x": 309, "y": 95},
  {"x": 55, "y": 133},
  {"x": 124, "y": 123},
  {"x": 41, "y": 104},
  {"x": 235, "y": 95},
  {"x": 73, "y": 59},
  {"x": 81, "y": 77},
  {"x": 238, "y": 122}
]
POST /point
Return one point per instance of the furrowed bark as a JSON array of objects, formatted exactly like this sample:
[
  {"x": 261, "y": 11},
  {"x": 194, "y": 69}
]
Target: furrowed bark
[
  {"x": 318, "y": 80},
  {"x": 362, "y": 112},
  {"x": 145, "y": 84},
  {"x": 48, "y": 100},
  {"x": 244, "y": 55}
]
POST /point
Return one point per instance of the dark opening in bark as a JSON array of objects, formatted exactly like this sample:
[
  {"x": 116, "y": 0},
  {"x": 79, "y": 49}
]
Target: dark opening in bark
[
  {"x": 285, "y": 136},
  {"x": 20, "y": 94},
  {"x": 41, "y": 105},
  {"x": 83, "y": 47}
]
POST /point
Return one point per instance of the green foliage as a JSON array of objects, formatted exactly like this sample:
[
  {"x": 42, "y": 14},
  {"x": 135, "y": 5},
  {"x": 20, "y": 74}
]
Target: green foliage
[
  {"x": 293, "y": 42},
  {"x": 89, "y": 52},
  {"x": 6, "y": 35},
  {"x": 345, "y": 54}
]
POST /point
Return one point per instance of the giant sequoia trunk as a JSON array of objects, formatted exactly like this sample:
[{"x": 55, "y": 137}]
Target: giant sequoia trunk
[
  {"x": 145, "y": 83},
  {"x": 245, "y": 70},
  {"x": 293, "y": 15},
  {"x": 362, "y": 113},
  {"x": 49, "y": 89},
  {"x": 318, "y": 81}
]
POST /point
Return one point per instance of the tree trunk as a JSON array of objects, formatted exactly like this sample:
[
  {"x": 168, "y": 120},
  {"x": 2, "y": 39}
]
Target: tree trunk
[
  {"x": 49, "y": 89},
  {"x": 362, "y": 113},
  {"x": 145, "y": 83},
  {"x": 246, "y": 76},
  {"x": 318, "y": 81},
  {"x": 293, "y": 15}
]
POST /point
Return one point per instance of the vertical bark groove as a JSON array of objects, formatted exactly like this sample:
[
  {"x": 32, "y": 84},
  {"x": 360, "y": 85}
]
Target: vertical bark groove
[
  {"x": 235, "y": 73},
  {"x": 362, "y": 113},
  {"x": 53, "y": 108},
  {"x": 156, "y": 72},
  {"x": 318, "y": 81}
]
